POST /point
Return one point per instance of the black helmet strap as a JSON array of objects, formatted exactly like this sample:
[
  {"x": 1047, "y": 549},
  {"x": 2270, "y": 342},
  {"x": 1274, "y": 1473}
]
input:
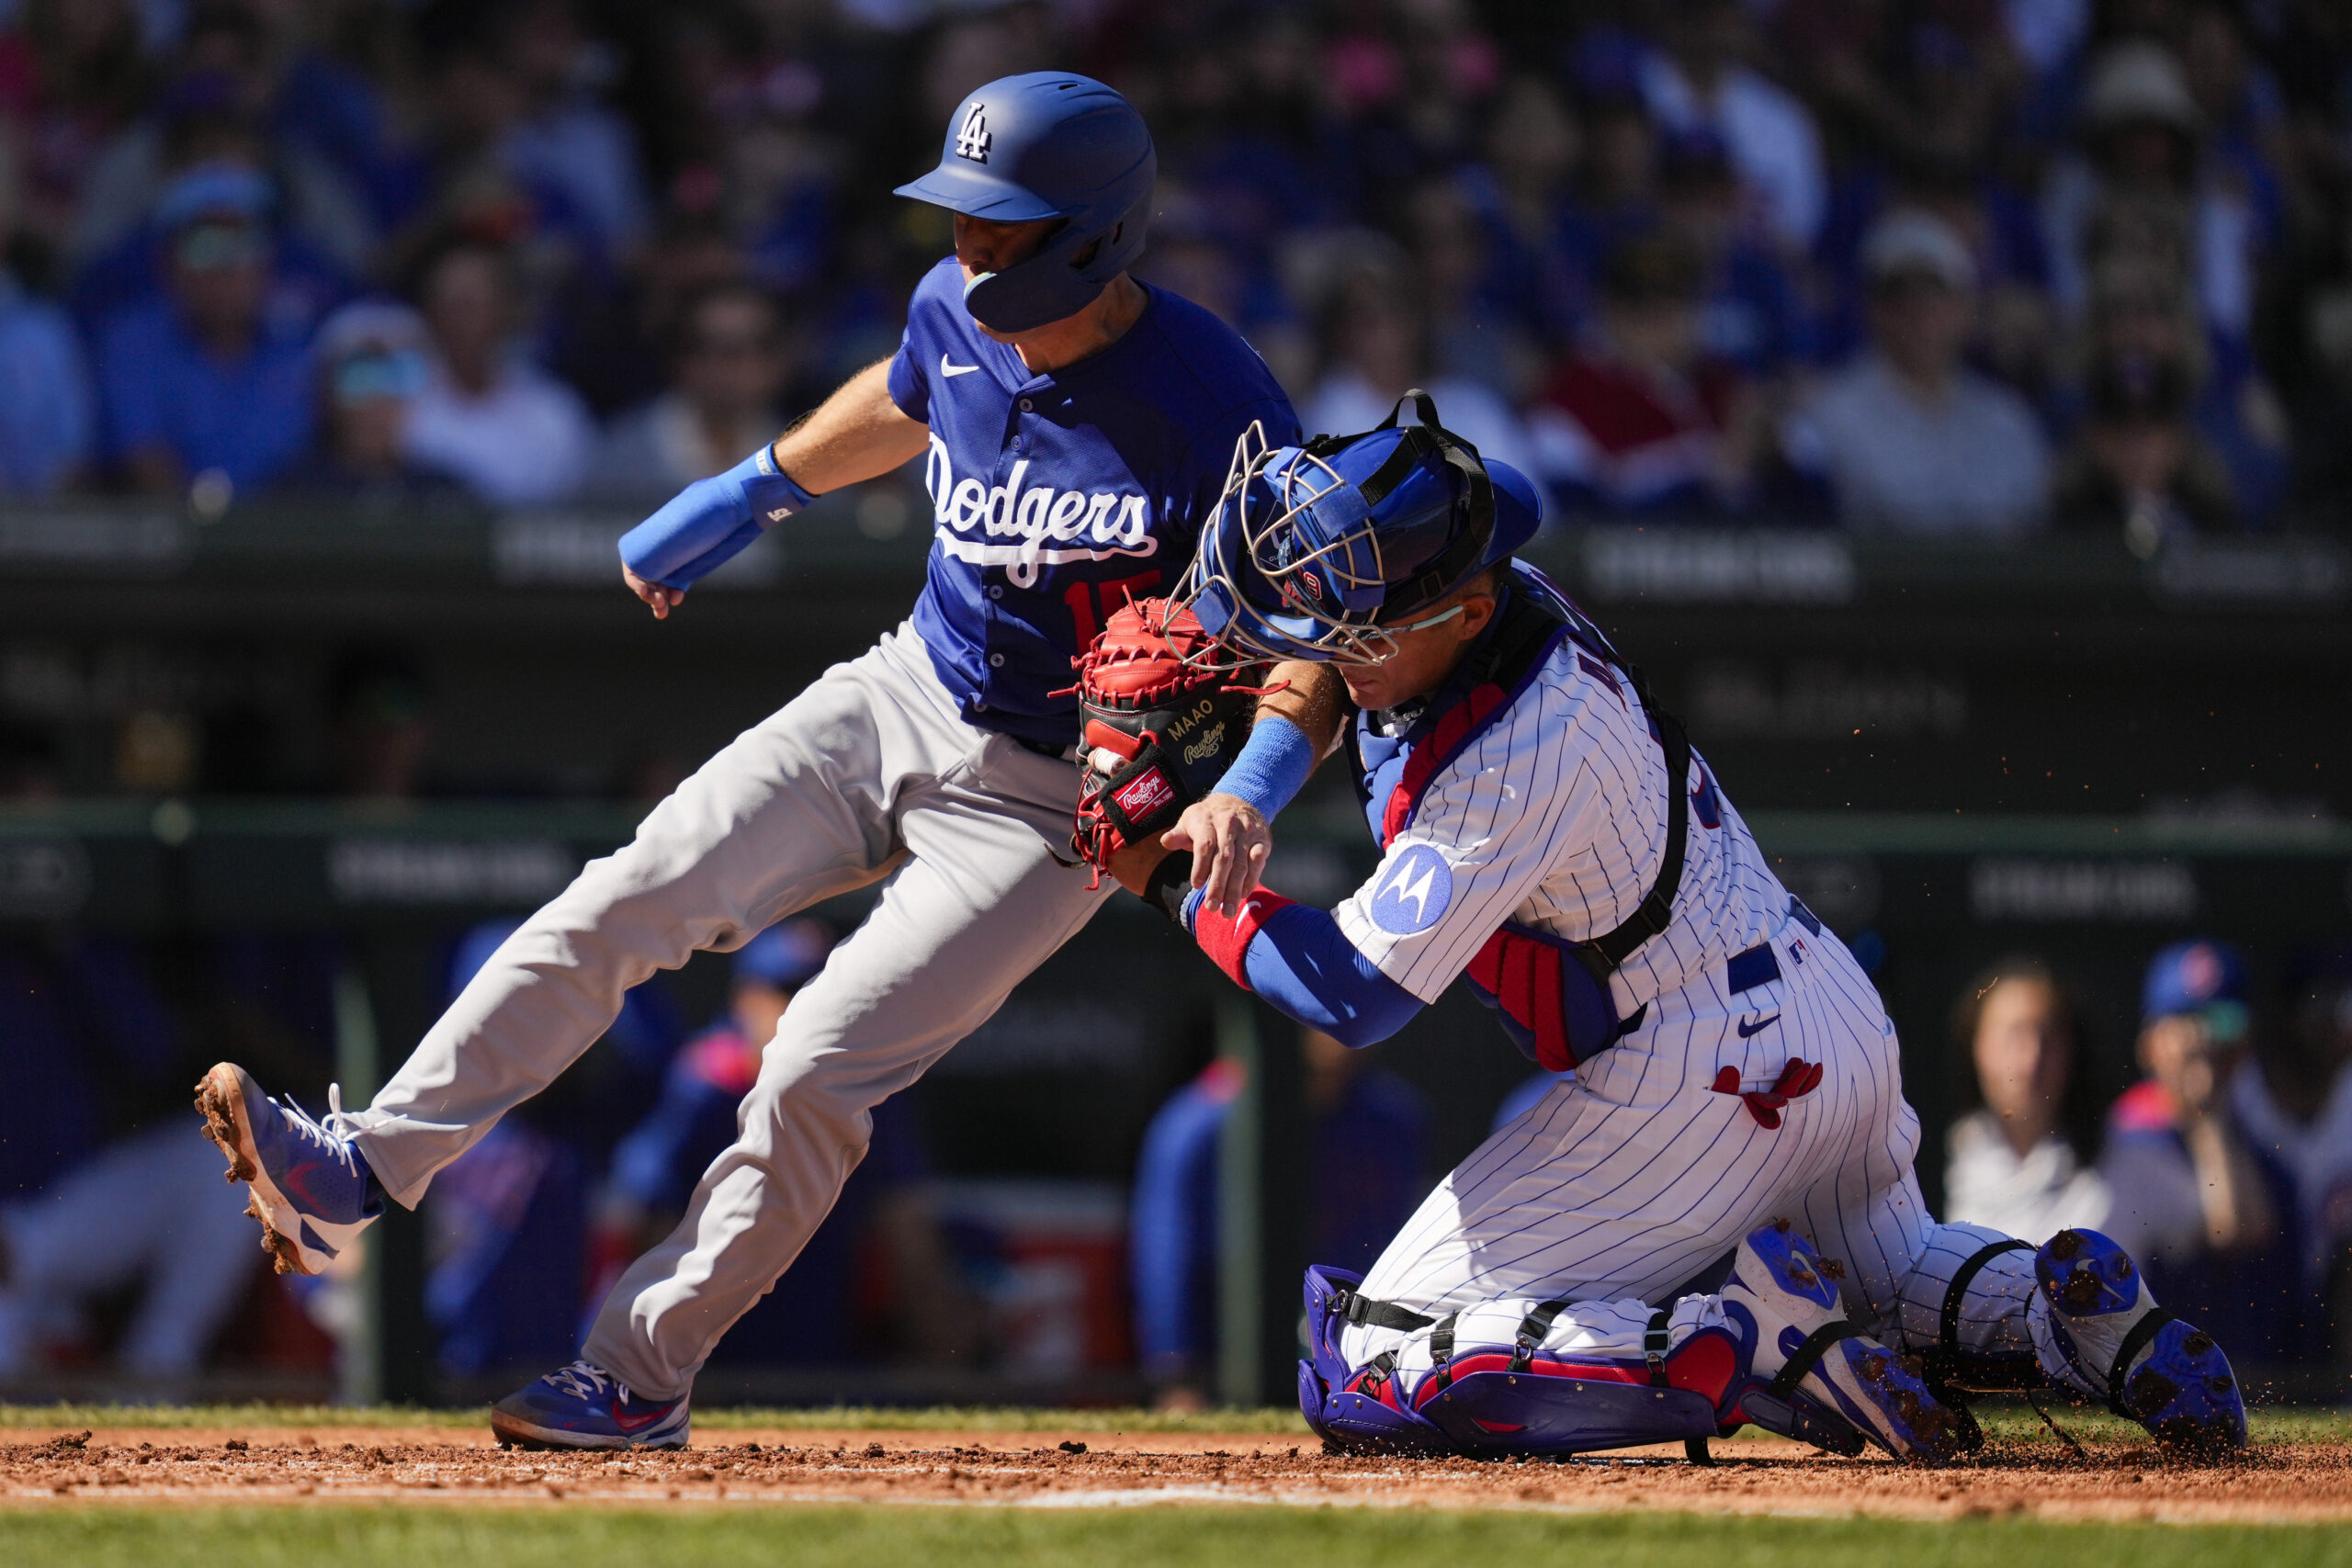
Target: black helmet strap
[{"x": 1455, "y": 561}]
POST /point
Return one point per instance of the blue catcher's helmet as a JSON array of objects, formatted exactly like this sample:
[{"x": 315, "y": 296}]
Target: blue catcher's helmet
[
  {"x": 1322, "y": 551},
  {"x": 1047, "y": 144}
]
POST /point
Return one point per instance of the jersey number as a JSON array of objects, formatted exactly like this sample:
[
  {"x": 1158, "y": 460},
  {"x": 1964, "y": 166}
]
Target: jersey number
[{"x": 1091, "y": 604}]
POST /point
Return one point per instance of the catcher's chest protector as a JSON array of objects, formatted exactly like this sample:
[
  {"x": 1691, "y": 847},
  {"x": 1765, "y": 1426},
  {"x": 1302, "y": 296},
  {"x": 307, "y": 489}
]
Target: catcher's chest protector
[{"x": 1551, "y": 995}]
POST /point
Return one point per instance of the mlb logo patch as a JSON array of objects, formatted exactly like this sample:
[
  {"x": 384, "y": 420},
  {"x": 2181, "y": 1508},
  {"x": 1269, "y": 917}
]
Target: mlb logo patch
[{"x": 1143, "y": 794}]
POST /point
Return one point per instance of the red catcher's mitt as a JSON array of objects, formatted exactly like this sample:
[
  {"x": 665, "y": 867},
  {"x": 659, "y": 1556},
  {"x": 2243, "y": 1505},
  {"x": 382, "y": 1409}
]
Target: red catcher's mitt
[{"x": 1157, "y": 732}]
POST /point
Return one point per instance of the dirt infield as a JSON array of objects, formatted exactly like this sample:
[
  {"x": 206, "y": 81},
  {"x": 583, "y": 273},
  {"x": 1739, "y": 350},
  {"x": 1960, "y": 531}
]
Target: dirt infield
[{"x": 2278, "y": 1482}]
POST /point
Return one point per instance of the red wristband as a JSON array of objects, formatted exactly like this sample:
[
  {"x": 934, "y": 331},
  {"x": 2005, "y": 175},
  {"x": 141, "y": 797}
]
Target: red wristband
[{"x": 1226, "y": 938}]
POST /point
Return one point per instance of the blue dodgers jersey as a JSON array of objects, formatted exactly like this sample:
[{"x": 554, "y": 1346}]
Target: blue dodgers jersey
[{"x": 1056, "y": 497}]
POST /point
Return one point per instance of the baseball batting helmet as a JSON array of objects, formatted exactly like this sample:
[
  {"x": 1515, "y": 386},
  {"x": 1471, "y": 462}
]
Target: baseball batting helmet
[
  {"x": 1322, "y": 551},
  {"x": 1047, "y": 144}
]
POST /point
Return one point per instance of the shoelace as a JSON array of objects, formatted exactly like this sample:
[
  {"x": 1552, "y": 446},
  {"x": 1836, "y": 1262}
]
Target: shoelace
[
  {"x": 334, "y": 1133},
  {"x": 583, "y": 1379}
]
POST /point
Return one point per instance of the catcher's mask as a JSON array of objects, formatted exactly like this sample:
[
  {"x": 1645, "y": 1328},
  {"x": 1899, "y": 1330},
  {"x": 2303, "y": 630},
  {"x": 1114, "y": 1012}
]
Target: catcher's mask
[{"x": 1324, "y": 551}]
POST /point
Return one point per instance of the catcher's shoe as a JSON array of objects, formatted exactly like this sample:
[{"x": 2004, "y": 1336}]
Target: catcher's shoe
[
  {"x": 2117, "y": 1345},
  {"x": 311, "y": 1189},
  {"x": 584, "y": 1407},
  {"x": 1794, "y": 1324}
]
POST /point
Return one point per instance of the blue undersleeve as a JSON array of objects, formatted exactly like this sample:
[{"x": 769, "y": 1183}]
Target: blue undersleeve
[{"x": 1299, "y": 961}]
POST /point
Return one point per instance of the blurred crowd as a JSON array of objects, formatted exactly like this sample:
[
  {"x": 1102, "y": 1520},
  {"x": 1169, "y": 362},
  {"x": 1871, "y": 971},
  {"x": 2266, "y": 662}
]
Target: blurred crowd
[
  {"x": 2226, "y": 1168},
  {"x": 1946, "y": 267}
]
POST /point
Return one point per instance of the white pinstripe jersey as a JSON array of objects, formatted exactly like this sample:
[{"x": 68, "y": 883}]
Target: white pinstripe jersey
[{"x": 1555, "y": 817}]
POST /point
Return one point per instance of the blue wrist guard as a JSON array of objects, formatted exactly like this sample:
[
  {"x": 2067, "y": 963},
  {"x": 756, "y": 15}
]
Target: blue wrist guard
[
  {"x": 703, "y": 526},
  {"x": 1272, "y": 767}
]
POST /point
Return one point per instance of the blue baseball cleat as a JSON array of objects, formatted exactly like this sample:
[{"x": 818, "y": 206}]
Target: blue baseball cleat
[
  {"x": 2117, "y": 1345},
  {"x": 312, "y": 1190},
  {"x": 1828, "y": 1382},
  {"x": 584, "y": 1407}
]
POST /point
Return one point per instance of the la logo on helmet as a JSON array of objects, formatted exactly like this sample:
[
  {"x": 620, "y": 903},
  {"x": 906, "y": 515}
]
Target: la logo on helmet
[{"x": 972, "y": 139}]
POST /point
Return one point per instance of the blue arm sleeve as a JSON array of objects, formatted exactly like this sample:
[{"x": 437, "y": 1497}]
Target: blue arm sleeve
[
  {"x": 708, "y": 523},
  {"x": 1299, "y": 961},
  {"x": 1272, "y": 767}
]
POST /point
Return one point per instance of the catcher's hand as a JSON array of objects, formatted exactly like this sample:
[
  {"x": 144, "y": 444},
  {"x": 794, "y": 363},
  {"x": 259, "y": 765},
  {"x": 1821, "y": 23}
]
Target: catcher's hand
[
  {"x": 1229, "y": 843},
  {"x": 1157, "y": 732}
]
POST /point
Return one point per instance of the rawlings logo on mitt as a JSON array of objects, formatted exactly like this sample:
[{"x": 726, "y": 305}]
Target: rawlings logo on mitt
[{"x": 1157, "y": 731}]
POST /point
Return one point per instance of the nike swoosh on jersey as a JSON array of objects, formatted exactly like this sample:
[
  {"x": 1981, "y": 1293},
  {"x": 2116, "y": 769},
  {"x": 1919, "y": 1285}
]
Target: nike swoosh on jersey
[
  {"x": 947, "y": 369},
  {"x": 1747, "y": 1029}
]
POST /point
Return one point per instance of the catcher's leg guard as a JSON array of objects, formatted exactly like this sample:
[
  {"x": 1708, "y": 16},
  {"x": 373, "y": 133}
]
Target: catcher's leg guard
[
  {"x": 1811, "y": 1371},
  {"x": 1354, "y": 1408},
  {"x": 2105, "y": 1334},
  {"x": 1523, "y": 1377},
  {"x": 1329, "y": 1293},
  {"x": 1312, "y": 1394},
  {"x": 1495, "y": 1401},
  {"x": 1370, "y": 1414}
]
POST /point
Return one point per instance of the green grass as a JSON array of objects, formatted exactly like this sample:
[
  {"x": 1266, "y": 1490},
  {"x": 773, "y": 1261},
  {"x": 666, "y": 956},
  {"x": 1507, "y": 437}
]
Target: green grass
[
  {"x": 1210, "y": 1537},
  {"x": 2015, "y": 1421}
]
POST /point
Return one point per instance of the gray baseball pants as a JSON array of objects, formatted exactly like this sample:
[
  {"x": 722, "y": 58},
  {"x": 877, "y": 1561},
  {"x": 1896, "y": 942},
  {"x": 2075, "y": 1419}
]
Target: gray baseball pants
[{"x": 869, "y": 775}]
